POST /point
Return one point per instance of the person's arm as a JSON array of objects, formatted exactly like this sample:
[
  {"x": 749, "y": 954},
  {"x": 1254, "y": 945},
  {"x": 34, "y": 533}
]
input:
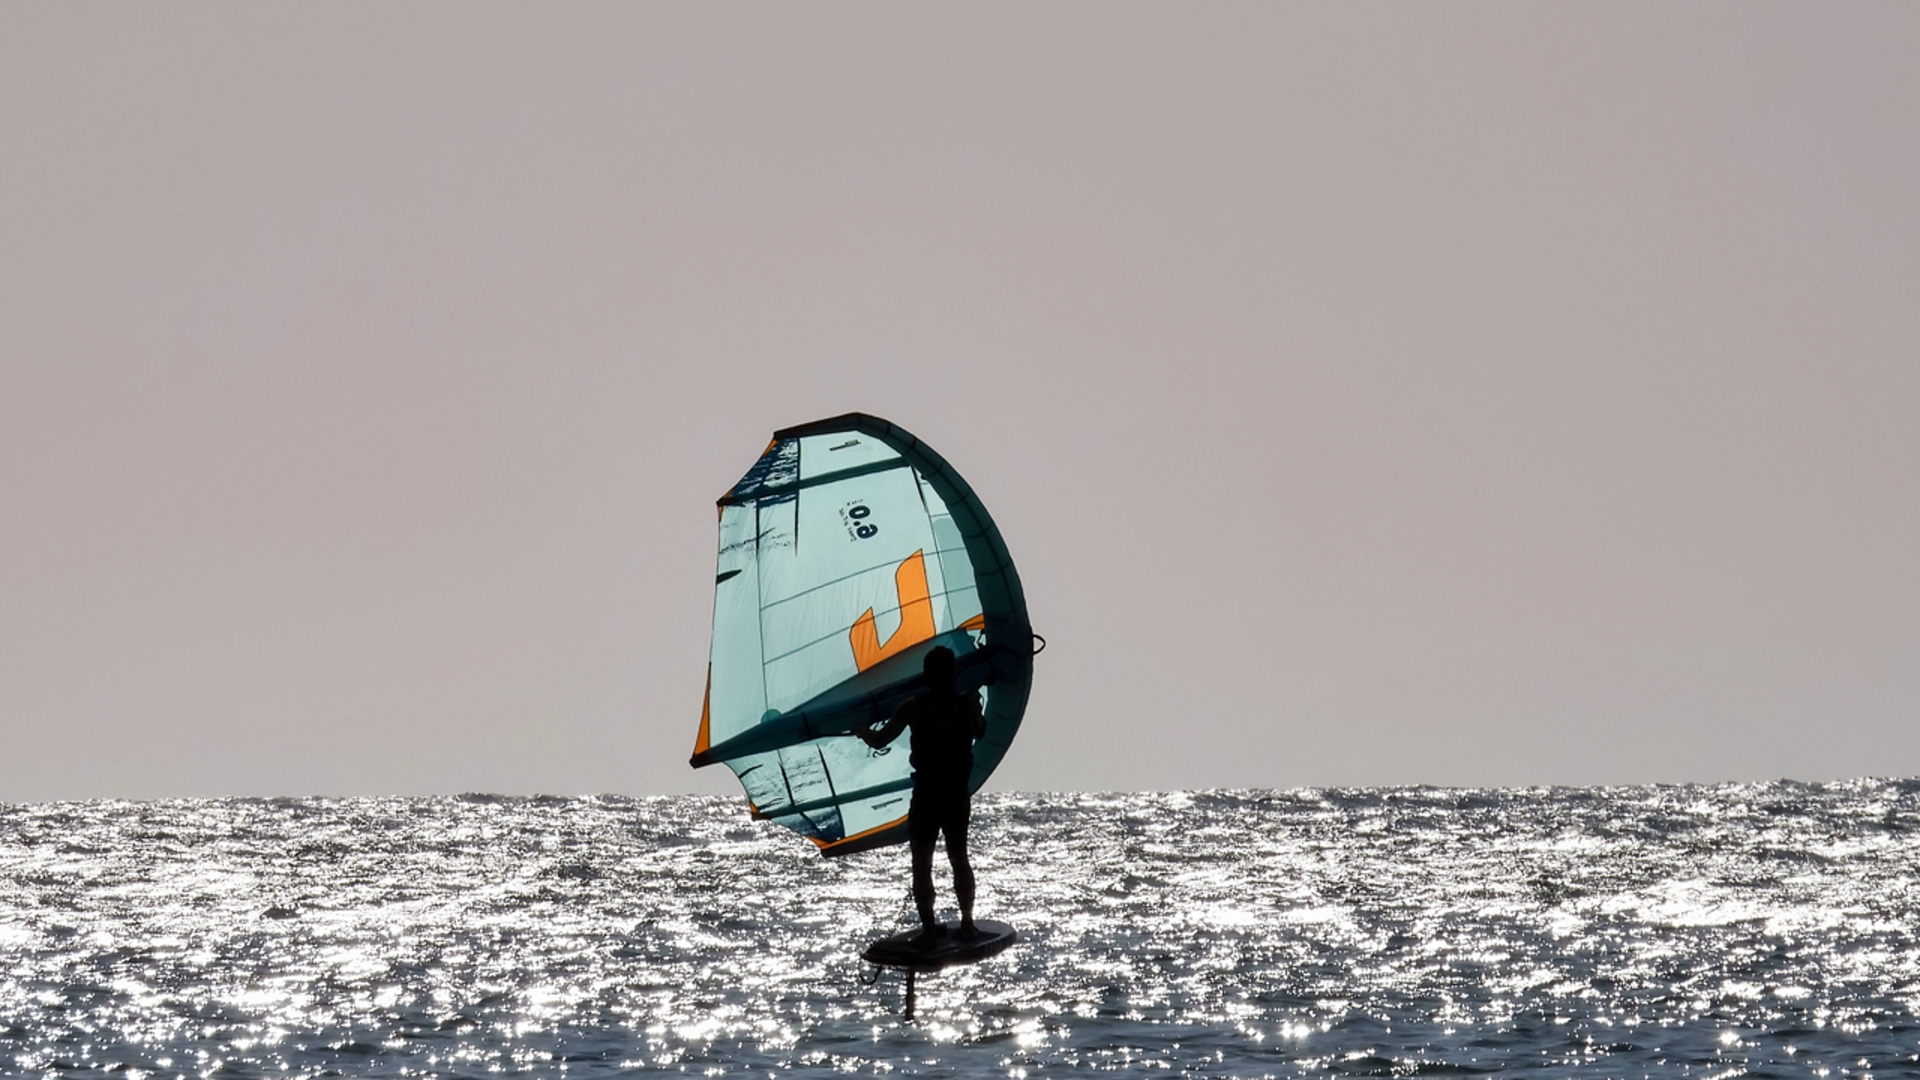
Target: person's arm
[
  {"x": 890, "y": 732},
  {"x": 979, "y": 721}
]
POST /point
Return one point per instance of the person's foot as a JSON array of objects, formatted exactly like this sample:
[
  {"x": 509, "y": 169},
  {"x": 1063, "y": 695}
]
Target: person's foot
[
  {"x": 968, "y": 930},
  {"x": 931, "y": 932}
]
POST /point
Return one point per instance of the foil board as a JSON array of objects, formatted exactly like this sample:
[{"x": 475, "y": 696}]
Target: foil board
[{"x": 911, "y": 952}]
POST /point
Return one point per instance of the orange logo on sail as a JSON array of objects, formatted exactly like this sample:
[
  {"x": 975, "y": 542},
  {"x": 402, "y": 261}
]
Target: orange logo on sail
[{"x": 916, "y": 617}]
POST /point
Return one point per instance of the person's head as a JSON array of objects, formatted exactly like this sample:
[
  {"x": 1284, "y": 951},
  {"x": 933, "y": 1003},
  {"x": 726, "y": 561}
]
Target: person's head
[{"x": 939, "y": 668}]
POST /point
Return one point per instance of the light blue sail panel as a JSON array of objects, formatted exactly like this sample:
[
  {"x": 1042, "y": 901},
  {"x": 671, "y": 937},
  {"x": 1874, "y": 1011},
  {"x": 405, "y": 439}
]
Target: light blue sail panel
[{"x": 847, "y": 552}]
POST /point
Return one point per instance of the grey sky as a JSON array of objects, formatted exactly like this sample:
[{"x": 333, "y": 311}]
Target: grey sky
[{"x": 1461, "y": 394}]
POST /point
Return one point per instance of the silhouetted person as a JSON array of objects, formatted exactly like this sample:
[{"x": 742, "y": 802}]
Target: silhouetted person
[{"x": 944, "y": 723}]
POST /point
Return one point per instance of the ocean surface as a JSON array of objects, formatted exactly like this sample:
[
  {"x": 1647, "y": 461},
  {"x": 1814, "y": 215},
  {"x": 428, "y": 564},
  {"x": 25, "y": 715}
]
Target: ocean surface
[{"x": 1732, "y": 930}]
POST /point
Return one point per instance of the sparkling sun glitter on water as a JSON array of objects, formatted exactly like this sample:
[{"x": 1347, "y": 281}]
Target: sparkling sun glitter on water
[{"x": 1759, "y": 930}]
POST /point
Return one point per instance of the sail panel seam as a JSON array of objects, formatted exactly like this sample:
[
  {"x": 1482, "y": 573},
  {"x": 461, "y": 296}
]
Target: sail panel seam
[{"x": 772, "y": 491}]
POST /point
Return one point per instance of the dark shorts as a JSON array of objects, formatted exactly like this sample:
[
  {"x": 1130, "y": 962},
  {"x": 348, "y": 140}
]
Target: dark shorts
[{"x": 934, "y": 812}]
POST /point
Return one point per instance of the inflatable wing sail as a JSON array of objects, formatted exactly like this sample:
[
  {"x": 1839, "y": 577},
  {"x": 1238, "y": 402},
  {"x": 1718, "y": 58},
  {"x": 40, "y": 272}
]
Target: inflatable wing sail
[{"x": 847, "y": 552}]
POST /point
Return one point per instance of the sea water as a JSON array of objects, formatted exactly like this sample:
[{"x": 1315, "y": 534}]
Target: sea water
[{"x": 1733, "y": 930}]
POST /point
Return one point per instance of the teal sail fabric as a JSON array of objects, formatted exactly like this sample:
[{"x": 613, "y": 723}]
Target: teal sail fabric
[{"x": 847, "y": 552}]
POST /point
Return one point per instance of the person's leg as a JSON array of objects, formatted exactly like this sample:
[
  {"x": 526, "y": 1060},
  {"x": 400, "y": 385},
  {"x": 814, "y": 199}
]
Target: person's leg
[
  {"x": 956, "y": 830},
  {"x": 920, "y": 840}
]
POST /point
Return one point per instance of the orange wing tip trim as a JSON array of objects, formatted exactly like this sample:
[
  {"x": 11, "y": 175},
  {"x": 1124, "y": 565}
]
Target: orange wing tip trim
[
  {"x": 978, "y": 622},
  {"x": 701, "y": 742},
  {"x": 829, "y": 845}
]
